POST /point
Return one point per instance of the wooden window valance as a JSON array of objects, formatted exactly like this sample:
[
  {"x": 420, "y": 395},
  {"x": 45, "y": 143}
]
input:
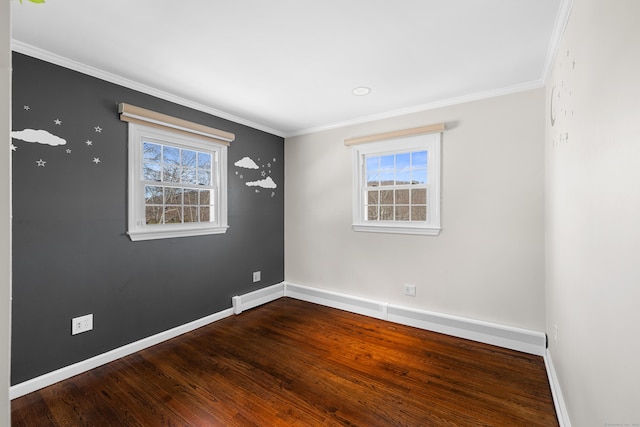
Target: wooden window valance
[
  {"x": 132, "y": 114},
  {"x": 438, "y": 127}
]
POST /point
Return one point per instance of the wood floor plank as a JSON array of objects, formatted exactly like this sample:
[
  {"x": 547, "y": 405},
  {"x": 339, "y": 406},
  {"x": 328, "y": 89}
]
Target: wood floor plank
[{"x": 293, "y": 363}]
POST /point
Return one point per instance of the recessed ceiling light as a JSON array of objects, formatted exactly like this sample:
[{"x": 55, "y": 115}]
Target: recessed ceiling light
[{"x": 361, "y": 91}]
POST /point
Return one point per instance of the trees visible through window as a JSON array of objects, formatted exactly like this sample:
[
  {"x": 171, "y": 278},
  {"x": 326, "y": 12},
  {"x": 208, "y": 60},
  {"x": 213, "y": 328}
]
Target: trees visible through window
[{"x": 178, "y": 184}]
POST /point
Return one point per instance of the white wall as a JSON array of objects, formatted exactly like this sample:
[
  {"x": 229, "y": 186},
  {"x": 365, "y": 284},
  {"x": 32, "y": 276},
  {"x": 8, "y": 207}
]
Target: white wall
[
  {"x": 593, "y": 213},
  {"x": 488, "y": 261},
  {"x": 5, "y": 212}
]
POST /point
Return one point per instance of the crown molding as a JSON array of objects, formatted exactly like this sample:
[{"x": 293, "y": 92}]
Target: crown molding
[
  {"x": 44, "y": 55},
  {"x": 478, "y": 96},
  {"x": 562, "y": 19}
]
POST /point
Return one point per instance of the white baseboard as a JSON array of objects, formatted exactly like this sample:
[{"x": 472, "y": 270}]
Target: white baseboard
[
  {"x": 518, "y": 339},
  {"x": 556, "y": 392},
  {"x": 85, "y": 365},
  {"x": 524, "y": 340},
  {"x": 504, "y": 336},
  {"x": 256, "y": 298},
  {"x": 344, "y": 302}
]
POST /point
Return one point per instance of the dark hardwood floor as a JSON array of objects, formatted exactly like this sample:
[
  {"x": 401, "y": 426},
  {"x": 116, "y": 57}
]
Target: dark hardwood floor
[{"x": 294, "y": 363}]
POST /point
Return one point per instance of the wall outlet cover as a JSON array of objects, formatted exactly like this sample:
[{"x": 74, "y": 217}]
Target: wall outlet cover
[
  {"x": 410, "y": 290},
  {"x": 256, "y": 276},
  {"x": 81, "y": 324}
]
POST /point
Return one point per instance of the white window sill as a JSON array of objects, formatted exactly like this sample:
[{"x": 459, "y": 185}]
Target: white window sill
[
  {"x": 163, "y": 232},
  {"x": 397, "y": 229}
]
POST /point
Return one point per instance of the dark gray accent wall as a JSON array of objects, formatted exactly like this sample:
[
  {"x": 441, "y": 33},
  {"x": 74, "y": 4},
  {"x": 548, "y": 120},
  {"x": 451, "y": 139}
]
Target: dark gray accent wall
[{"x": 71, "y": 254}]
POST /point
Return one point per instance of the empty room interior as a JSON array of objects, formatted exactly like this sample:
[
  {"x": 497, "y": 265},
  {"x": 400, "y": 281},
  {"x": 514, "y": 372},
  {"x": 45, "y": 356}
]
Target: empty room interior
[{"x": 320, "y": 213}]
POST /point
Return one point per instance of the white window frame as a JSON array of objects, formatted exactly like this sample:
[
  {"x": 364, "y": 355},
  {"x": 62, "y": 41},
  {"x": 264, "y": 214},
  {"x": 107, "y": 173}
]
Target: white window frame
[
  {"x": 137, "y": 227},
  {"x": 432, "y": 144}
]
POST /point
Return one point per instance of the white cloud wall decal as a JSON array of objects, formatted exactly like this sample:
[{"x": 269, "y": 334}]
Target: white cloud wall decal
[
  {"x": 246, "y": 163},
  {"x": 38, "y": 136},
  {"x": 264, "y": 183}
]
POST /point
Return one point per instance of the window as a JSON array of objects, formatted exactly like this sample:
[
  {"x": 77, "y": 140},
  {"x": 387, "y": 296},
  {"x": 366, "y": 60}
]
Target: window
[
  {"x": 177, "y": 184},
  {"x": 396, "y": 185}
]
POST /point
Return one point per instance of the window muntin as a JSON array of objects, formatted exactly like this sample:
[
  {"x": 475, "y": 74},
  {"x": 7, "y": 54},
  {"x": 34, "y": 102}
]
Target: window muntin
[
  {"x": 397, "y": 185},
  {"x": 177, "y": 185}
]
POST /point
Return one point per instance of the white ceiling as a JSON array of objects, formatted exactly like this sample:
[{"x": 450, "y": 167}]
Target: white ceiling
[{"x": 289, "y": 66}]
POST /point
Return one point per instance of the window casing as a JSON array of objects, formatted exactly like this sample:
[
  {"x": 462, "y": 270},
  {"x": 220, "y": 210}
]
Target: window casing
[
  {"x": 396, "y": 185},
  {"x": 177, "y": 184}
]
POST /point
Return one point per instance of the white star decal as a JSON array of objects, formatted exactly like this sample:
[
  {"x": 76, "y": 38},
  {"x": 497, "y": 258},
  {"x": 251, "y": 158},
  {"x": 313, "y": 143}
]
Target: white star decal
[
  {"x": 58, "y": 122},
  {"x": 26, "y": 107},
  {"x": 269, "y": 164},
  {"x": 263, "y": 173},
  {"x": 98, "y": 129},
  {"x": 13, "y": 147},
  {"x": 89, "y": 142},
  {"x": 96, "y": 160},
  {"x": 68, "y": 150},
  {"x": 40, "y": 163}
]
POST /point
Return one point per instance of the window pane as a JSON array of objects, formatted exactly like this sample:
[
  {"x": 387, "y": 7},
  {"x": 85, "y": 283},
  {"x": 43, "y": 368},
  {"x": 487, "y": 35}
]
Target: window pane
[
  {"x": 418, "y": 213},
  {"x": 403, "y": 177},
  {"x": 387, "y": 170},
  {"x": 372, "y": 213},
  {"x": 171, "y": 173},
  {"x": 386, "y": 197},
  {"x": 419, "y": 196},
  {"x": 190, "y": 197},
  {"x": 419, "y": 159},
  {"x": 419, "y": 176},
  {"x": 402, "y": 213},
  {"x": 386, "y": 213},
  {"x": 204, "y": 214},
  {"x": 151, "y": 172},
  {"x": 372, "y": 171},
  {"x": 153, "y": 214},
  {"x": 152, "y": 195},
  {"x": 403, "y": 168},
  {"x": 387, "y": 162},
  {"x": 372, "y": 197},
  {"x": 190, "y": 214},
  {"x": 402, "y": 197},
  {"x": 170, "y": 155},
  {"x": 204, "y": 177},
  {"x": 151, "y": 152},
  {"x": 172, "y": 196},
  {"x": 204, "y": 160},
  {"x": 189, "y": 158},
  {"x": 205, "y": 197},
  {"x": 172, "y": 214},
  {"x": 419, "y": 167},
  {"x": 189, "y": 176}
]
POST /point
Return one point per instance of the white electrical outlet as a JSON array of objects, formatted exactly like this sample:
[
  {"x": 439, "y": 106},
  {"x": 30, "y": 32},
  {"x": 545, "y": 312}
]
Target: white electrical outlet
[
  {"x": 256, "y": 276},
  {"x": 410, "y": 290},
  {"x": 81, "y": 324}
]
